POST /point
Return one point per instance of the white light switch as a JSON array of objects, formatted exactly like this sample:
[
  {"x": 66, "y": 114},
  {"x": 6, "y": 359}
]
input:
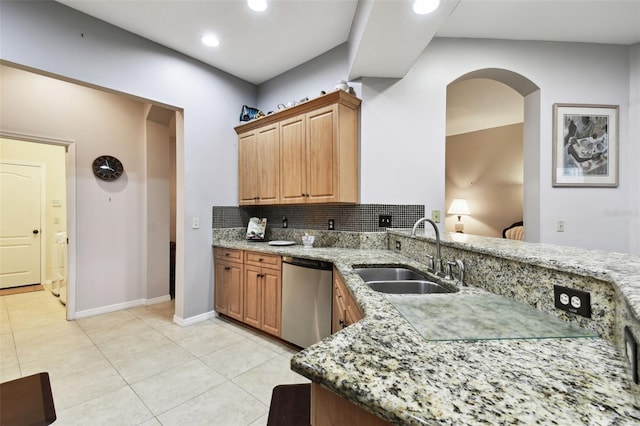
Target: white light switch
[
  {"x": 560, "y": 227},
  {"x": 56, "y": 203},
  {"x": 195, "y": 223}
]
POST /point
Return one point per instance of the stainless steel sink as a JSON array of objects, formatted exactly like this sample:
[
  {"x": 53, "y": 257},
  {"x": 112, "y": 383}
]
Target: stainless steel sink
[
  {"x": 408, "y": 287},
  {"x": 388, "y": 274}
]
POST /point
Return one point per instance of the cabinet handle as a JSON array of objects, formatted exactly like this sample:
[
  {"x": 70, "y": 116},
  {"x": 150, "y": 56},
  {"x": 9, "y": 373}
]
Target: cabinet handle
[
  {"x": 260, "y": 259},
  {"x": 227, "y": 254},
  {"x": 226, "y": 268},
  {"x": 342, "y": 323}
]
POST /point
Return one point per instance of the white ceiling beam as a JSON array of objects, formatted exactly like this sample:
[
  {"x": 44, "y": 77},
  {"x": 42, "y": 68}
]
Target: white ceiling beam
[{"x": 387, "y": 36}]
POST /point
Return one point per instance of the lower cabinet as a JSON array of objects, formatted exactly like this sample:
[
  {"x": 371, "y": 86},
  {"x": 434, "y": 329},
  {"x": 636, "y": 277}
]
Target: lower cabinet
[
  {"x": 345, "y": 309},
  {"x": 229, "y": 290},
  {"x": 329, "y": 409},
  {"x": 263, "y": 299},
  {"x": 248, "y": 288}
]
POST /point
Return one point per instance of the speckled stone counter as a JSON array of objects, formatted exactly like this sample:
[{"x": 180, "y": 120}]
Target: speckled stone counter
[{"x": 384, "y": 365}]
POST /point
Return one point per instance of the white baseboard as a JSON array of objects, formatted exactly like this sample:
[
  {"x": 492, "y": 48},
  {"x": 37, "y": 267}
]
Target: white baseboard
[
  {"x": 157, "y": 300},
  {"x": 110, "y": 308},
  {"x": 195, "y": 319},
  {"x": 120, "y": 306}
]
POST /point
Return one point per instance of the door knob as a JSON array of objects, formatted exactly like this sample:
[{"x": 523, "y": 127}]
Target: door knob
[{"x": 35, "y": 231}]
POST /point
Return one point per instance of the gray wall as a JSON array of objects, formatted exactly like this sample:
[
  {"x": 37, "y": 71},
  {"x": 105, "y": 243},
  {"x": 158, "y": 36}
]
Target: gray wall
[
  {"x": 50, "y": 37},
  {"x": 403, "y": 131},
  {"x": 402, "y": 123}
]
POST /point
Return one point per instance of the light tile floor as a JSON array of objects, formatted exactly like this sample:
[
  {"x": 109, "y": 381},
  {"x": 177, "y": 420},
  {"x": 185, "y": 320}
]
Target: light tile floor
[{"x": 136, "y": 367}]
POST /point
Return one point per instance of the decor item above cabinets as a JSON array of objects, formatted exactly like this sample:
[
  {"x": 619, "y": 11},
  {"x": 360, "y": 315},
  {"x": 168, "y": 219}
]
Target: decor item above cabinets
[{"x": 304, "y": 154}]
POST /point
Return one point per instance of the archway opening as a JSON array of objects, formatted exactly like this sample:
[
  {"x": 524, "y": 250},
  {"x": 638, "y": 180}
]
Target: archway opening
[{"x": 492, "y": 152}]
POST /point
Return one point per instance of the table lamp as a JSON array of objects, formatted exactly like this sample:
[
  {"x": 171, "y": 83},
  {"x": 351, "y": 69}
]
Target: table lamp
[{"x": 459, "y": 207}]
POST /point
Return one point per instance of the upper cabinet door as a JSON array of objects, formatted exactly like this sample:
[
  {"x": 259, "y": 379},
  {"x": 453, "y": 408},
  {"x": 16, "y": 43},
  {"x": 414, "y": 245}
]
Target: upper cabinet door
[
  {"x": 259, "y": 166},
  {"x": 293, "y": 161},
  {"x": 268, "y": 164},
  {"x": 247, "y": 162},
  {"x": 322, "y": 159}
]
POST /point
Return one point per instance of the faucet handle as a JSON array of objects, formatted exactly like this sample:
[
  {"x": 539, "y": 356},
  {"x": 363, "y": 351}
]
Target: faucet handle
[
  {"x": 460, "y": 265},
  {"x": 430, "y": 263},
  {"x": 449, "y": 269}
]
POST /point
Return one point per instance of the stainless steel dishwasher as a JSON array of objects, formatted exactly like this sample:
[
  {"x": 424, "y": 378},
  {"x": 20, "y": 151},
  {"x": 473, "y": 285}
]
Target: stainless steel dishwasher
[{"x": 306, "y": 300}]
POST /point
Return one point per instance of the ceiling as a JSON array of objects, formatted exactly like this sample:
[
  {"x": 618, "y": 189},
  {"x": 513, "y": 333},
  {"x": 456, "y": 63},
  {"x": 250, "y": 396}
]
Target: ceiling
[{"x": 385, "y": 37}]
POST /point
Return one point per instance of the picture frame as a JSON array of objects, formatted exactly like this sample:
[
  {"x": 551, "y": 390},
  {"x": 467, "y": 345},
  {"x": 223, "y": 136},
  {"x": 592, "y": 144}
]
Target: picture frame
[{"x": 585, "y": 145}]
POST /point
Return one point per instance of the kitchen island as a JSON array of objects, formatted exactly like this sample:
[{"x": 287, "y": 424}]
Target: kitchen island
[{"x": 383, "y": 365}]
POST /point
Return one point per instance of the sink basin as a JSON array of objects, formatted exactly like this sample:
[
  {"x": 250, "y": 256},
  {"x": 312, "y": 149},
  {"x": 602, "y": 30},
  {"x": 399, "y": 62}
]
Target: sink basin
[
  {"x": 389, "y": 274},
  {"x": 408, "y": 287}
]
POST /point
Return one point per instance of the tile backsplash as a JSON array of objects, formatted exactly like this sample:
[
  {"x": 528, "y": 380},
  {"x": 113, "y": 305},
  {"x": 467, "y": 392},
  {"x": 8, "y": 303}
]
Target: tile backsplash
[{"x": 353, "y": 218}]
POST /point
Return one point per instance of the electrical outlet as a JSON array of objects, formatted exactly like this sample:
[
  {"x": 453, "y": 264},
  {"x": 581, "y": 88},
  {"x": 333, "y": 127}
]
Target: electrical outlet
[
  {"x": 435, "y": 216},
  {"x": 384, "y": 221},
  {"x": 398, "y": 245},
  {"x": 560, "y": 226},
  {"x": 571, "y": 300},
  {"x": 195, "y": 223},
  {"x": 332, "y": 225}
]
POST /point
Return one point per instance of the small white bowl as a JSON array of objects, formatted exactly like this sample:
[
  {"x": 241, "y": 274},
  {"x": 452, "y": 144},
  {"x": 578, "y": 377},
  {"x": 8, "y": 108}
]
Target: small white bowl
[{"x": 308, "y": 240}]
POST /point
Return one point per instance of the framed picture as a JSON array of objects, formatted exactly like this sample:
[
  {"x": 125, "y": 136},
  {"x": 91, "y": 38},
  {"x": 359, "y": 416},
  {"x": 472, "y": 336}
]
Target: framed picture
[{"x": 585, "y": 145}]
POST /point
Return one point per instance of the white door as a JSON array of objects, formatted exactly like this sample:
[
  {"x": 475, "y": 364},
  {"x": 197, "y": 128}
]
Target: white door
[{"x": 19, "y": 224}]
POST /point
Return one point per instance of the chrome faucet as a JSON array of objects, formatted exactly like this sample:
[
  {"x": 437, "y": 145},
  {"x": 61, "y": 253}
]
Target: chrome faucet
[{"x": 436, "y": 264}]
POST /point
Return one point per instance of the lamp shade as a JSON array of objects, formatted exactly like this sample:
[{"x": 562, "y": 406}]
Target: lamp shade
[{"x": 459, "y": 207}]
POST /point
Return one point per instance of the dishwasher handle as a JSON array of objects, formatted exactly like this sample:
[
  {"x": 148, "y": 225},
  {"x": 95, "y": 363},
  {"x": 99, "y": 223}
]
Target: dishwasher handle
[{"x": 308, "y": 263}]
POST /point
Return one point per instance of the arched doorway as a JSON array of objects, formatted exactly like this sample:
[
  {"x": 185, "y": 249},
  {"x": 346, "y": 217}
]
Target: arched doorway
[{"x": 500, "y": 178}]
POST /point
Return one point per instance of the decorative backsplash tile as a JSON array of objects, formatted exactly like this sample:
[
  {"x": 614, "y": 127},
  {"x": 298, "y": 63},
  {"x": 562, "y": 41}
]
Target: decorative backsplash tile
[{"x": 353, "y": 218}]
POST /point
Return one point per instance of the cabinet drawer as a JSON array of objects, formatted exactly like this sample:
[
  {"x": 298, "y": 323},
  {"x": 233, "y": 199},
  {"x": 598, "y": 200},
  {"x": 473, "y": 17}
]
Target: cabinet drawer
[
  {"x": 263, "y": 260},
  {"x": 233, "y": 255}
]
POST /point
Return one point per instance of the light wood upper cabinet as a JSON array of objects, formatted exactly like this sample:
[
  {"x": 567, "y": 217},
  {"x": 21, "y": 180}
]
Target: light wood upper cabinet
[
  {"x": 293, "y": 160},
  {"x": 259, "y": 163},
  {"x": 317, "y": 161}
]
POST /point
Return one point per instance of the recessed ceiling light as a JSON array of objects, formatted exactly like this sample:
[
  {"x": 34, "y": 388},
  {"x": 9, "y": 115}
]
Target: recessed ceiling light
[
  {"x": 422, "y": 7},
  {"x": 210, "y": 40},
  {"x": 257, "y": 5}
]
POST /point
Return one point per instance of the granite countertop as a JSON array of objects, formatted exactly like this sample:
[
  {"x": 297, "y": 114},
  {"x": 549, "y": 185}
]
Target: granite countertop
[{"x": 384, "y": 365}]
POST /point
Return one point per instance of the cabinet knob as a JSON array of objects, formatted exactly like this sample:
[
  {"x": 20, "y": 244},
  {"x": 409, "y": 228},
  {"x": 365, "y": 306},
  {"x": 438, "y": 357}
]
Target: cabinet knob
[
  {"x": 342, "y": 323},
  {"x": 226, "y": 268}
]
